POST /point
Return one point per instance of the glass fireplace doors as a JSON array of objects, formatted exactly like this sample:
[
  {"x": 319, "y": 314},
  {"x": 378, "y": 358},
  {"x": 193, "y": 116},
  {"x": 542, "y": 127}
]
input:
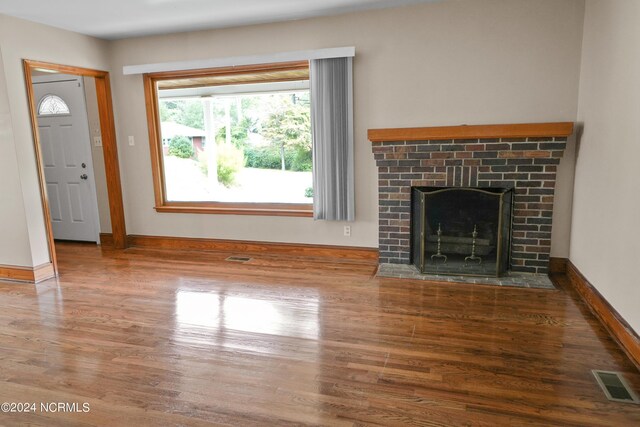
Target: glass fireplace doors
[{"x": 461, "y": 231}]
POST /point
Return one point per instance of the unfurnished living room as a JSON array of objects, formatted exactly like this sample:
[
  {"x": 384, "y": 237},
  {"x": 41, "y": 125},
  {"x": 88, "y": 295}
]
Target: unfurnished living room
[{"x": 323, "y": 213}]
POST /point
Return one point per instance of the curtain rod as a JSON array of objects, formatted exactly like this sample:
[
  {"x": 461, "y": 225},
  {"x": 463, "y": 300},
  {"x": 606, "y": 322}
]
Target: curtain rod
[{"x": 298, "y": 55}]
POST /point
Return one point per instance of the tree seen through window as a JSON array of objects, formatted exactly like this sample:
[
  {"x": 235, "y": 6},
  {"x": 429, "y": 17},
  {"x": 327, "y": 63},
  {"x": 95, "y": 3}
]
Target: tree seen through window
[{"x": 253, "y": 147}]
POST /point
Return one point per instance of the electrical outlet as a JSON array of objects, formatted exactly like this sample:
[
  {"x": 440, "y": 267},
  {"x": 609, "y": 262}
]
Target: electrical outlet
[
  {"x": 97, "y": 141},
  {"x": 347, "y": 230},
  {"x": 132, "y": 141}
]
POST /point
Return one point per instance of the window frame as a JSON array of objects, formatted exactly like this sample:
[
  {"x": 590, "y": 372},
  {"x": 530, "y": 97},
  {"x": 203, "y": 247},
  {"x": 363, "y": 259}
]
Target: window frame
[{"x": 150, "y": 81}]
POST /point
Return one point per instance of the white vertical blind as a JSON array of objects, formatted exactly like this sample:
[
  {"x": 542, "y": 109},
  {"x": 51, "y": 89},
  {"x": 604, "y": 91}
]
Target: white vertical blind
[{"x": 331, "y": 87}]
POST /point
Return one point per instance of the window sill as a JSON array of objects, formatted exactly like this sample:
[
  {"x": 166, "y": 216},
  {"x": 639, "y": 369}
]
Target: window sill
[{"x": 263, "y": 209}]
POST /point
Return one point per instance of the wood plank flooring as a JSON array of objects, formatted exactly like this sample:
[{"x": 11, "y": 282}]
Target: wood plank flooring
[{"x": 160, "y": 337}]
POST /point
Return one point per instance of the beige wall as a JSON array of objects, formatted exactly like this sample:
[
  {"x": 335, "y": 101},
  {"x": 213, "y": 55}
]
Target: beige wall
[
  {"x": 605, "y": 236},
  {"x": 14, "y": 240},
  {"x": 447, "y": 63},
  {"x": 27, "y": 245},
  {"x": 97, "y": 154}
]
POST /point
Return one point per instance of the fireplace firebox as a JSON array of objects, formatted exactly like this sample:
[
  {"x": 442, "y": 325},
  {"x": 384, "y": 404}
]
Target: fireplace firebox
[{"x": 461, "y": 230}]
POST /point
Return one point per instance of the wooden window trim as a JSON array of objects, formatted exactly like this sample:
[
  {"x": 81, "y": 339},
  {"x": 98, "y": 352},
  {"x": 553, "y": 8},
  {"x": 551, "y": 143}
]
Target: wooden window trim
[{"x": 155, "y": 145}]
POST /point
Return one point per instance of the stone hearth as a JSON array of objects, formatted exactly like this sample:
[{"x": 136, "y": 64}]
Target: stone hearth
[
  {"x": 511, "y": 279},
  {"x": 495, "y": 158}
]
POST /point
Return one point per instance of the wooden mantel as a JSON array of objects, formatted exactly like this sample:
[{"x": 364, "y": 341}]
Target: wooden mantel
[{"x": 521, "y": 130}]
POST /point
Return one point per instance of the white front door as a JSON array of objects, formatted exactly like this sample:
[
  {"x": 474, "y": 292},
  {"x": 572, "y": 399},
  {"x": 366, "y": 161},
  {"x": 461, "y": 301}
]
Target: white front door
[{"x": 66, "y": 156}]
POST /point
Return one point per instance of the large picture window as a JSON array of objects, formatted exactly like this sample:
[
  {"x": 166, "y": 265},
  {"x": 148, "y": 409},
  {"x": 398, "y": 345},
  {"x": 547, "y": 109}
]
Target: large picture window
[{"x": 232, "y": 140}]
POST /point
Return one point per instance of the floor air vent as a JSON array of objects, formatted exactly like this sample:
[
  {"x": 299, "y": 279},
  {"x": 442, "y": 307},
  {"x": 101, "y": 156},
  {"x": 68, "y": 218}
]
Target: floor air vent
[
  {"x": 238, "y": 259},
  {"x": 615, "y": 387}
]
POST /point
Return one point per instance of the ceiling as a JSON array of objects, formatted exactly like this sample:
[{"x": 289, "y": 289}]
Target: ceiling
[{"x": 115, "y": 19}]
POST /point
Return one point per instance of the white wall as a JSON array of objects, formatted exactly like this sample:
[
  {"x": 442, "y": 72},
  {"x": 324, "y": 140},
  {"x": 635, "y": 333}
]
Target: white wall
[
  {"x": 447, "y": 63},
  {"x": 14, "y": 243},
  {"x": 605, "y": 235},
  {"x": 23, "y": 241}
]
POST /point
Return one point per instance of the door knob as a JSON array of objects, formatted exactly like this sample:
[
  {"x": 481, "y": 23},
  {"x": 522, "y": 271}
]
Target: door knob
[{"x": 84, "y": 176}]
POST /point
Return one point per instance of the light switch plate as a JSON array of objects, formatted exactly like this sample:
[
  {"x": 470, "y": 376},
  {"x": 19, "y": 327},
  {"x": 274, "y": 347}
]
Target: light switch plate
[{"x": 132, "y": 141}]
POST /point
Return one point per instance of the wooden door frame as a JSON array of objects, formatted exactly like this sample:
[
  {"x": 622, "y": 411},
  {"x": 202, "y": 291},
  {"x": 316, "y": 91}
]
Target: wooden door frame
[{"x": 109, "y": 149}]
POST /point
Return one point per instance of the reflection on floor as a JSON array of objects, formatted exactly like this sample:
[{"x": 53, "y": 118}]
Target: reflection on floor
[
  {"x": 217, "y": 310},
  {"x": 157, "y": 337}
]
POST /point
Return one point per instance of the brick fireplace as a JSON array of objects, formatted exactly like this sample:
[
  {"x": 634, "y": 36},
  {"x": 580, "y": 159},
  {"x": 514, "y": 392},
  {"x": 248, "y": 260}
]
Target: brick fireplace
[{"x": 524, "y": 157}]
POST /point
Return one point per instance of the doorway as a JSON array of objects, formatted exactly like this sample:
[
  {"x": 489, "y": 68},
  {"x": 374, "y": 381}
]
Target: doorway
[
  {"x": 63, "y": 127},
  {"x": 62, "y": 144}
]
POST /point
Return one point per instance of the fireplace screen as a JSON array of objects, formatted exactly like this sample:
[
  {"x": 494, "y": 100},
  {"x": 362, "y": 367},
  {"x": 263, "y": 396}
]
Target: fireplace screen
[{"x": 461, "y": 231}]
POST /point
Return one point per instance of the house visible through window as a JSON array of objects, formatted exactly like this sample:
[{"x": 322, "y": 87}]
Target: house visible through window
[{"x": 239, "y": 139}]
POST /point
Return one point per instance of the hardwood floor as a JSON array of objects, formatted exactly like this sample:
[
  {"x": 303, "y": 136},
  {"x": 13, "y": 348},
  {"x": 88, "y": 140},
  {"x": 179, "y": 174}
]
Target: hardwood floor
[{"x": 159, "y": 337}]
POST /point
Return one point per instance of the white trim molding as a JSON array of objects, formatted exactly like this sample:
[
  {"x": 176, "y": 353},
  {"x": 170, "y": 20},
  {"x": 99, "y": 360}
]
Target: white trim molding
[{"x": 234, "y": 61}]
